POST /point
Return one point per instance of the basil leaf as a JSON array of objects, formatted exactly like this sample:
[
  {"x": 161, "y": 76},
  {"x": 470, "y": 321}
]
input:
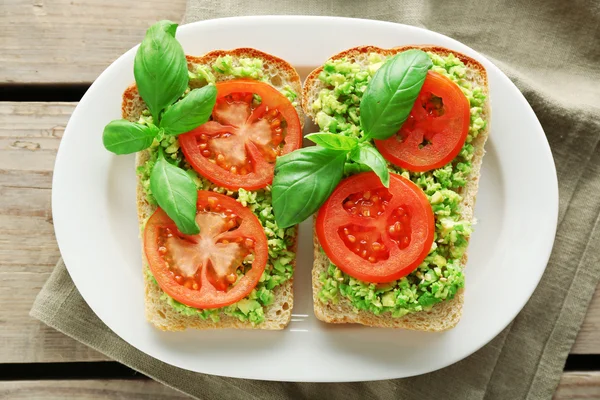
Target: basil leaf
[
  {"x": 369, "y": 156},
  {"x": 352, "y": 168},
  {"x": 124, "y": 137},
  {"x": 303, "y": 180},
  {"x": 333, "y": 141},
  {"x": 190, "y": 112},
  {"x": 160, "y": 68},
  {"x": 391, "y": 93},
  {"x": 175, "y": 193}
]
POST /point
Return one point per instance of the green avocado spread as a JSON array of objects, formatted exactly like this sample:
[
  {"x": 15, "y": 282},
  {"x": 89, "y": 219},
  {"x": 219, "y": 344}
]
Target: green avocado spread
[
  {"x": 440, "y": 275},
  {"x": 280, "y": 241}
]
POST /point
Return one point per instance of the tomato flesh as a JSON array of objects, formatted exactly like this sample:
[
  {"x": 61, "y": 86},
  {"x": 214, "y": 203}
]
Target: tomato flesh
[
  {"x": 208, "y": 270},
  {"x": 238, "y": 147},
  {"x": 373, "y": 233},
  {"x": 436, "y": 128}
]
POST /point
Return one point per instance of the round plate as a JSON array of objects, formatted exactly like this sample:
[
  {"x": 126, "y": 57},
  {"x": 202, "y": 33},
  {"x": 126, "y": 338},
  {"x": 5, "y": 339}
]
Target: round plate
[{"x": 94, "y": 208}]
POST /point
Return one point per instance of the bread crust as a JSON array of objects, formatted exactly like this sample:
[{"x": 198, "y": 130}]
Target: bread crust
[
  {"x": 158, "y": 312},
  {"x": 444, "y": 315}
]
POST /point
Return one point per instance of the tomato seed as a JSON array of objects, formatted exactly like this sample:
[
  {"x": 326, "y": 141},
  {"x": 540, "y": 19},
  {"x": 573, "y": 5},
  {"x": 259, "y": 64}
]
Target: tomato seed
[
  {"x": 351, "y": 238},
  {"x": 367, "y": 195},
  {"x": 231, "y": 278},
  {"x": 376, "y": 246},
  {"x": 195, "y": 286},
  {"x": 233, "y": 170},
  {"x": 391, "y": 230},
  {"x": 205, "y": 153},
  {"x": 249, "y": 243},
  {"x": 162, "y": 250},
  {"x": 372, "y": 259},
  {"x": 179, "y": 279},
  {"x": 202, "y": 146}
]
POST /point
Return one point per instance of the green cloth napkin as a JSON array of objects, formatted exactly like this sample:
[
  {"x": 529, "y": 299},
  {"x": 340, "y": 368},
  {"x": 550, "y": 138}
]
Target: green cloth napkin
[{"x": 551, "y": 50}]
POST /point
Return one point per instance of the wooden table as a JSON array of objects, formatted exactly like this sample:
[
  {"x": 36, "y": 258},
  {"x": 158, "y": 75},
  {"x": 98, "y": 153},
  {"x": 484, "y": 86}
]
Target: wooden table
[{"x": 50, "y": 52}]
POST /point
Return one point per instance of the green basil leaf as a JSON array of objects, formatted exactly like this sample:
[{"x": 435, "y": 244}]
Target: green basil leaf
[
  {"x": 160, "y": 68},
  {"x": 303, "y": 180},
  {"x": 391, "y": 93},
  {"x": 190, "y": 112},
  {"x": 369, "y": 156},
  {"x": 352, "y": 168},
  {"x": 333, "y": 141},
  {"x": 124, "y": 137},
  {"x": 176, "y": 194}
]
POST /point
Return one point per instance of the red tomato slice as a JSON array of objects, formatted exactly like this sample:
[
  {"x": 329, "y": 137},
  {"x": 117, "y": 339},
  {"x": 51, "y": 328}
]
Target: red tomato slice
[
  {"x": 376, "y": 234},
  {"x": 435, "y": 130},
  {"x": 238, "y": 147},
  {"x": 200, "y": 270}
]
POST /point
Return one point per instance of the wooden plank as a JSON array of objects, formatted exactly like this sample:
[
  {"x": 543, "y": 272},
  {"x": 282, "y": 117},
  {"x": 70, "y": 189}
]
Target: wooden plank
[
  {"x": 578, "y": 385},
  {"x": 573, "y": 385},
  {"x": 28, "y": 248},
  {"x": 72, "y": 41},
  {"x": 29, "y": 137},
  {"x": 142, "y": 389}
]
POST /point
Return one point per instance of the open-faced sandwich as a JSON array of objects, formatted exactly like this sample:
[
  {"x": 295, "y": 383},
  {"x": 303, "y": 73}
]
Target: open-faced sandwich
[
  {"x": 394, "y": 178},
  {"x": 207, "y": 131}
]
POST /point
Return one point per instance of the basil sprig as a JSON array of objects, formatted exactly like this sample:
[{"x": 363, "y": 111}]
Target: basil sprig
[
  {"x": 161, "y": 76},
  {"x": 391, "y": 93},
  {"x": 305, "y": 178}
]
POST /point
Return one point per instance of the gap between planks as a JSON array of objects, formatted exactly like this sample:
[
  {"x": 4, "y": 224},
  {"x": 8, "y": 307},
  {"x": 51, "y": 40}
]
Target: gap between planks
[{"x": 30, "y": 134}]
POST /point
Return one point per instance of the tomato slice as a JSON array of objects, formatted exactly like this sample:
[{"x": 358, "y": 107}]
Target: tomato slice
[
  {"x": 435, "y": 130},
  {"x": 201, "y": 270},
  {"x": 373, "y": 233},
  {"x": 238, "y": 147}
]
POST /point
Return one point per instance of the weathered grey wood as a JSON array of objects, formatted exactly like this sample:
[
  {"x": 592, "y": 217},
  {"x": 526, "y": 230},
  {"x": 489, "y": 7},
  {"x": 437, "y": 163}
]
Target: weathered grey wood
[
  {"x": 29, "y": 137},
  {"x": 28, "y": 249},
  {"x": 66, "y": 41},
  {"x": 88, "y": 389},
  {"x": 578, "y": 385}
]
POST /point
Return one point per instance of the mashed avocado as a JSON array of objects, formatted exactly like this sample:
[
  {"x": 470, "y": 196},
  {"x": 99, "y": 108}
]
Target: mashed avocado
[
  {"x": 279, "y": 265},
  {"x": 441, "y": 274}
]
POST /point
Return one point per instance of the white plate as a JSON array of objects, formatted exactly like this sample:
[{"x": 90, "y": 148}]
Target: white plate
[{"x": 93, "y": 203}]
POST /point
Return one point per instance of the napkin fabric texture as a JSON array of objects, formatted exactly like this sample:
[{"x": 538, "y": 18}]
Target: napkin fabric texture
[{"x": 551, "y": 51}]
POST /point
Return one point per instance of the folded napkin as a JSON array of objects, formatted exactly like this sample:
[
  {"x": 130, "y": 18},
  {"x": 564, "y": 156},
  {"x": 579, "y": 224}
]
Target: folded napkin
[{"x": 551, "y": 51}]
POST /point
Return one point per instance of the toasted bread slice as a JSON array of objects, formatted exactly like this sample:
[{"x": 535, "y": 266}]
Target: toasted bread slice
[
  {"x": 444, "y": 315},
  {"x": 279, "y": 74}
]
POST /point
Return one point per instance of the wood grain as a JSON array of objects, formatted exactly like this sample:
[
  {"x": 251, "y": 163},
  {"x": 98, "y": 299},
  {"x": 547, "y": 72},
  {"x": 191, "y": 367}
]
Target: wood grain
[
  {"x": 72, "y": 41},
  {"x": 30, "y": 134},
  {"x": 88, "y": 389},
  {"x": 573, "y": 385},
  {"x": 578, "y": 386}
]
